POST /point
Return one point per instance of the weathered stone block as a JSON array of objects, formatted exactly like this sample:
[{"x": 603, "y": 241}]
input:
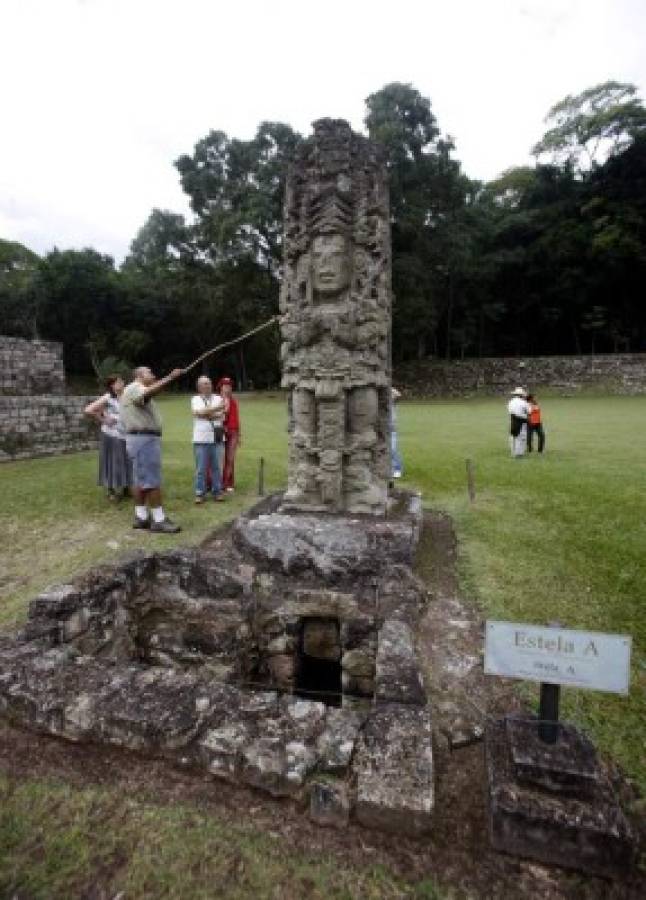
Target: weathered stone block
[
  {"x": 394, "y": 770},
  {"x": 265, "y": 766},
  {"x": 330, "y": 803},
  {"x": 590, "y": 834},
  {"x": 156, "y": 711},
  {"x": 56, "y": 601},
  {"x": 305, "y": 718},
  {"x": 337, "y": 742},
  {"x": 281, "y": 645},
  {"x": 331, "y": 546},
  {"x": 359, "y": 662},
  {"x": 355, "y": 684},
  {"x": 398, "y": 677},
  {"x": 75, "y": 625},
  {"x": 221, "y": 749}
]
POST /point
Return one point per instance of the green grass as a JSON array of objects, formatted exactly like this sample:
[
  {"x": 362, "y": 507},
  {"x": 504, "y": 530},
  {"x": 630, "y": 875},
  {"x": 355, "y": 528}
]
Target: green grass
[
  {"x": 561, "y": 536},
  {"x": 62, "y": 842},
  {"x": 55, "y": 521}
]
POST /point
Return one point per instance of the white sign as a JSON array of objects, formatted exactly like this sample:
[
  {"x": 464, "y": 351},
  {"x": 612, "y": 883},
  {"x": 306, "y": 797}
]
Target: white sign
[{"x": 584, "y": 659}]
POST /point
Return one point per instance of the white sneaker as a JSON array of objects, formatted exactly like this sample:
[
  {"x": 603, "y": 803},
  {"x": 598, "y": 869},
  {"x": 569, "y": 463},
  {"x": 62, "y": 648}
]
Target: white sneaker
[
  {"x": 397, "y": 474},
  {"x": 229, "y": 490}
]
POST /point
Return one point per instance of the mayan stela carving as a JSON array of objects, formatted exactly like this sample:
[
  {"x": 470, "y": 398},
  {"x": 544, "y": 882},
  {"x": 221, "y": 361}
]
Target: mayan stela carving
[{"x": 336, "y": 311}]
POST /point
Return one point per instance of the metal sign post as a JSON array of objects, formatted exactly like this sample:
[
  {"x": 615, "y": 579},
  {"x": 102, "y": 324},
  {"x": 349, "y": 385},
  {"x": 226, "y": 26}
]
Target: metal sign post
[{"x": 548, "y": 727}]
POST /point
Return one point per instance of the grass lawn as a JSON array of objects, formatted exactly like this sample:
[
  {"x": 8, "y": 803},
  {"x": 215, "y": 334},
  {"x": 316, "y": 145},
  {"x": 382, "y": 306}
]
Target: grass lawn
[{"x": 561, "y": 536}]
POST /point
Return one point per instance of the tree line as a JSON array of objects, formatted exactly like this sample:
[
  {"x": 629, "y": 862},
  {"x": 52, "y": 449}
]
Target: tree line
[{"x": 545, "y": 259}]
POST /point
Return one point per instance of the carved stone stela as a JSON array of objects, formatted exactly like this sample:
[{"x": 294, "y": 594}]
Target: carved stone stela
[{"x": 336, "y": 307}]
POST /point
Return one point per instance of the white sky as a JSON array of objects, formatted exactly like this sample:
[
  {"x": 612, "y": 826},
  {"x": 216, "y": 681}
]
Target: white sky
[{"x": 100, "y": 96}]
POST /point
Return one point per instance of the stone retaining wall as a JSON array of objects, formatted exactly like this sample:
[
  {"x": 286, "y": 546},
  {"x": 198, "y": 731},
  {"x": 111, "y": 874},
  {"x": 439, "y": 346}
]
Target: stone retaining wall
[
  {"x": 42, "y": 426},
  {"x": 31, "y": 367},
  {"x": 612, "y": 373},
  {"x": 36, "y": 417}
]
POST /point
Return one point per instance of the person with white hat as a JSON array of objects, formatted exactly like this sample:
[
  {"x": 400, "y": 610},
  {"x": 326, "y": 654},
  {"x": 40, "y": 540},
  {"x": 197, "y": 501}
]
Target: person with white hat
[{"x": 518, "y": 409}]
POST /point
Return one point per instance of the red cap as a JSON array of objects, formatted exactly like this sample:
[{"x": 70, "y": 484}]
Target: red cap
[{"x": 224, "y": 380}]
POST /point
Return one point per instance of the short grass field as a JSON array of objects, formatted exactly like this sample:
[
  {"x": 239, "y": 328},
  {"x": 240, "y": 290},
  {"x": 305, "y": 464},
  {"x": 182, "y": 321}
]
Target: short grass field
[{"x": 558, "y": 537}]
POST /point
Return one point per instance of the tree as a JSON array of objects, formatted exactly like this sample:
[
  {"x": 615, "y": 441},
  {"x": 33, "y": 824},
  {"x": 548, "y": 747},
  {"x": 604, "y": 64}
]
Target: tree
[
  {"x": 236, "y": 189},
  {"x": 595, "y": 124},
  {"x": 427, "y": 200},
  {"x": 81, "y": 295},
  {"x": 163, "y": 239},
  {"x": 18, "y": 294}
]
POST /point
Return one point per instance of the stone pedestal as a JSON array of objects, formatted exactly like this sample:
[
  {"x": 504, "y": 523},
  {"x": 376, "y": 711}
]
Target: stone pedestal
[
  {"x": 553, "y": 802},
  {"x": 331, "y": 545},
  {"x": 284, "y": 660}
]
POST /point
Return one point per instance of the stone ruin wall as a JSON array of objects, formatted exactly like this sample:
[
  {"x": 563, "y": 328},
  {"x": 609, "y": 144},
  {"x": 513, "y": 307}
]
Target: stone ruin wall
[
  {"x": 37, "y": 418},
  {"x": 611, "y": 373},
  {"x": 28, "y": 368}
]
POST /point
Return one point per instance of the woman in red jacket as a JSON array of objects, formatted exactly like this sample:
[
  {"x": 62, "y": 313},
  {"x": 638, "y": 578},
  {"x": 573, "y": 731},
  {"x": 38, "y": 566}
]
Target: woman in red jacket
[
  {"x": 534, "y": 424},
  {"x": 231, "y": 431}
]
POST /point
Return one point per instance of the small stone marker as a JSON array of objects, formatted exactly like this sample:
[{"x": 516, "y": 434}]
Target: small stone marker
[{"x": 550, "y": 798}]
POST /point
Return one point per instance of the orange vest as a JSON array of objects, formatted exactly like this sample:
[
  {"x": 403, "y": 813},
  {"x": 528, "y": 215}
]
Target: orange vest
[{"x": 535, "y": 414}]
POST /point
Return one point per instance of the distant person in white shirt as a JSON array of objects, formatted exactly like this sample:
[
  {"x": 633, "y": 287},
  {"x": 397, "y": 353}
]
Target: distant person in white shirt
[
  {"x": 518, "y": 409},
  {"x": 208, "y": 439}
]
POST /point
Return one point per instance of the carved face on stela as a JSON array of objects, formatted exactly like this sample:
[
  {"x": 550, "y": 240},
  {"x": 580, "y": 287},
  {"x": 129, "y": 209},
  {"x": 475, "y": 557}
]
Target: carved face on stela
[{"x": 330, "y": 260}]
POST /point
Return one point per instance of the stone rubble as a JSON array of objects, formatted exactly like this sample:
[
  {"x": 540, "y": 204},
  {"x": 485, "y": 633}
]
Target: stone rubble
[{"x": 194, "y": 656}]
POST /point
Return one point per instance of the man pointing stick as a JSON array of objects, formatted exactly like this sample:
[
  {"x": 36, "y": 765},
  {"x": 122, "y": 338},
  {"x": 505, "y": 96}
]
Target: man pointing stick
[{"x": 143, "y": 426}]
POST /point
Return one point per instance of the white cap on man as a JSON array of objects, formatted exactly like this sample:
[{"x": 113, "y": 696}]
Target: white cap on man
[{"x": 519, "y": 392}]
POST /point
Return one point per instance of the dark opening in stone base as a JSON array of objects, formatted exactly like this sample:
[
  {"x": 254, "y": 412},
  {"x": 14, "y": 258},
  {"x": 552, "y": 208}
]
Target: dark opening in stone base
[{"x": 318, "y": 663}]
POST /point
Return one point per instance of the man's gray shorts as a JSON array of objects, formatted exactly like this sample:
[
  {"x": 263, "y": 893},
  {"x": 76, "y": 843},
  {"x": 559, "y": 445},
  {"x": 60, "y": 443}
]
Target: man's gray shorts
[{"x": 145, "y": 452}]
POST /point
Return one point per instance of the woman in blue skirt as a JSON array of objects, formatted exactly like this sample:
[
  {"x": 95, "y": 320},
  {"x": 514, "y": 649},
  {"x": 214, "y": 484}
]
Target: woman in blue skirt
[{"x": 115, "y": 468}]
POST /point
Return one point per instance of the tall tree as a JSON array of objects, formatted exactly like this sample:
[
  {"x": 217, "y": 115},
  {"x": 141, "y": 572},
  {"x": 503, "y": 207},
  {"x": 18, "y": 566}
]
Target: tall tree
[
  {"x": 588, "y": 127},
  {"x": 427, "y": 201},
  {"x": 236, "y": 191},
  {"x": 80, "y": 302},
  {"x": 18, "y": 294},
  {"x": 163, "y": 239}
]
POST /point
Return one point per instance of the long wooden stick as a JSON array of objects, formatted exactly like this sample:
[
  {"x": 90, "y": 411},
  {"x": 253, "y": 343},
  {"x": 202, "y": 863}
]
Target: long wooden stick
[{"x": 237, "y": 340}]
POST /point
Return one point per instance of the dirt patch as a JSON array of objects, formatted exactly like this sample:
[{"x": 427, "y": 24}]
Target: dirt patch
[
  {"x": 450, "y": 645},
  {"x": 457, "y": 854}
]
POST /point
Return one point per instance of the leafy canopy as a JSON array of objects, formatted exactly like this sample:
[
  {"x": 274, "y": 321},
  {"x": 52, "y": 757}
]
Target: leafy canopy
[{"x": 599, "y": 122}]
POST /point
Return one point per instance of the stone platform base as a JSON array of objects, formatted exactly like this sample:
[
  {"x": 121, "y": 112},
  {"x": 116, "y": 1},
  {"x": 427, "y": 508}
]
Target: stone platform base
[
  {"x": 331, "y": 545},
  {"x": 299, "y": 685},
  {"x": 545, "y": 806}
]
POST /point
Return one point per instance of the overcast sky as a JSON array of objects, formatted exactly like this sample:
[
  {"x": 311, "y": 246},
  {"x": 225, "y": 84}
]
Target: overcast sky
[{"x": 100, "y": 96}]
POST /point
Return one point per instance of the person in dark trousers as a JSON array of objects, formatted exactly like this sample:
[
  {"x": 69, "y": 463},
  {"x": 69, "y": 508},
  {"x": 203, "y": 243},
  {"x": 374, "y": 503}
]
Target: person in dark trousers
[{"x": 534, "y": 424}]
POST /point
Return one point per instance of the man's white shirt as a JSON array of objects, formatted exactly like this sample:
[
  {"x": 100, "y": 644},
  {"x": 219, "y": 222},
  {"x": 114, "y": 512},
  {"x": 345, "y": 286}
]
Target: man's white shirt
[
  {"x": 518, "y": 407},
  {"x": 203, "y": 428}
]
